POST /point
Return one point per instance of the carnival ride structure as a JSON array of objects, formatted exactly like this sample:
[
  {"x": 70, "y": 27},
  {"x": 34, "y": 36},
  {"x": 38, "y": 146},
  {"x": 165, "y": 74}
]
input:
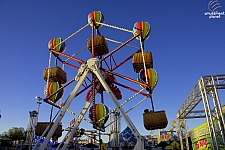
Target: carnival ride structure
[
  {"x": 206, "y": 91},
  {"x": 98, "y": 75}
]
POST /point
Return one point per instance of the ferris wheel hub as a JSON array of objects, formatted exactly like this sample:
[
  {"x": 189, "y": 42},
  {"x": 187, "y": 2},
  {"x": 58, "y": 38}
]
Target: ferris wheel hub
[{"x": 93, "y": 64}]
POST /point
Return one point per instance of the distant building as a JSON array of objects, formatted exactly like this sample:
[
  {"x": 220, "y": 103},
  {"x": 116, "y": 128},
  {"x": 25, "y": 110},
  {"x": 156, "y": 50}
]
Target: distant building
[
  {"x": 5, "y": 142},
  {"x": 152, "y": 139},
  {"x": 164, "y": 136}
]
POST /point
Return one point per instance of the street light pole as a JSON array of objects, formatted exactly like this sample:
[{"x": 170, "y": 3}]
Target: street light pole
[{"x": 39, "y": 104}]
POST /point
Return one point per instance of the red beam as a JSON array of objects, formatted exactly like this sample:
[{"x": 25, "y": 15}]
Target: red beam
[
  {"x": 121, "y": 63},
  {"x": 122, "y": 45},
  {"x": 92, "y": 39},
  {"x": 68, "y": 56},
  {"x": 126, "y": 78},
  {"x": 66, "y": 84},
  {"x": 131, "y": 89},
  {"x": 54, "y": 104}
]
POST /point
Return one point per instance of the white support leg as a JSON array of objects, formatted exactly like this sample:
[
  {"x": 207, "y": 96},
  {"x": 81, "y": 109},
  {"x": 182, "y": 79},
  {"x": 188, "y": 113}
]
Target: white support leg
[
  {"x": 65, "y": 107},
  {"x": 62, "y": 140},
  {"x": 77, "y": 123},
  {"x": 92, "y": 65},
  {"x": 79, "y": 119},
  {"x": 140, "y": 141}
]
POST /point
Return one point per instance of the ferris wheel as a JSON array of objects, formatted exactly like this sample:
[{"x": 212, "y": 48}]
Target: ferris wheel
[{"x": 99, "y": 75}]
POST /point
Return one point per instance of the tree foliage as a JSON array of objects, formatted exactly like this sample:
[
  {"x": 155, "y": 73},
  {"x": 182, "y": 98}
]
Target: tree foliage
[
  {"x": 17, "y": 133},
  {"x": 4, "y": 134}
]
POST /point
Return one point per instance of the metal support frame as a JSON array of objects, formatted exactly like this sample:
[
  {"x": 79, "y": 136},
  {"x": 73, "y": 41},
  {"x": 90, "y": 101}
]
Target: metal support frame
[
  {"x": 70, "y": 133},
  {"x": 196, "y": 114},
  {"x": 182, "y": 132},
  {"x": 115, "y": 128},
  {"x": 206, "y": 91},
  {"x": 77, "y": 123},
  {"x": 32, "y": 122},
  {"x": 92, "y": 65}
]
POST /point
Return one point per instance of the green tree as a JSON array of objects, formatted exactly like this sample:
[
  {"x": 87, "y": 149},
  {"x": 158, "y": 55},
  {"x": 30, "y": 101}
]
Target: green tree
[
  {"x": 17, "y": 133},
  {"x": 4, "y": 134}
]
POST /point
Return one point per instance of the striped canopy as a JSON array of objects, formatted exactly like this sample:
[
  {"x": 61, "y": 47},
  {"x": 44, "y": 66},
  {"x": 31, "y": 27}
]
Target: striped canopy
[
  {"x": 95, "y": 16},
  {"x": 51, "y": 88},
  {"x": 142, "y": 28},
  {"x": 100, "y": 111},
  {"x": 151, "y": 76},
  {"x": 55, "y": 42}
]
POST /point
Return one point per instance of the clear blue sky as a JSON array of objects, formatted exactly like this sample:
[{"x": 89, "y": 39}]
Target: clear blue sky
[{"x": 185, "y": 43}]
